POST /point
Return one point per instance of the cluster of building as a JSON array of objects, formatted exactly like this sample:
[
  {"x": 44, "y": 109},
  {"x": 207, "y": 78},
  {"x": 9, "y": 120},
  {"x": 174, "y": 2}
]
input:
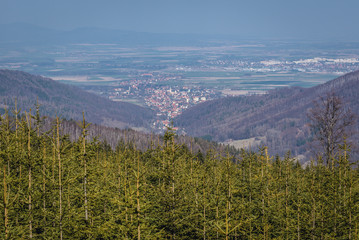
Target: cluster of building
[
  {"x": 168, "y": 100},
  {"x": 136, "y": 87},
  {"x": 171, "y": 101},
  {"x": 315, "y": 65}
]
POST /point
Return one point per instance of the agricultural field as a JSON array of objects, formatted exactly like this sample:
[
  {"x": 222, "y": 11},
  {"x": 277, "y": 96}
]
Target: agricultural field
[
  {"x": 245, "y": 81},
  {"x": 227, "y": 67}
]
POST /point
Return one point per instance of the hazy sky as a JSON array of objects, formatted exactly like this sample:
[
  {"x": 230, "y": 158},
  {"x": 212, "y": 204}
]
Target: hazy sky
[{"x": 337, "y": 19}]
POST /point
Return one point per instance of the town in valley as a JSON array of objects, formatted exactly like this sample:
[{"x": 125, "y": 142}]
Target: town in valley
[{"x": 171, "y": 79}]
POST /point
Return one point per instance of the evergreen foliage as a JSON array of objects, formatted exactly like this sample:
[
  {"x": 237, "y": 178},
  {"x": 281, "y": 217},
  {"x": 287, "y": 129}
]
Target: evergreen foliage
[{"x": 54, "y": 188}]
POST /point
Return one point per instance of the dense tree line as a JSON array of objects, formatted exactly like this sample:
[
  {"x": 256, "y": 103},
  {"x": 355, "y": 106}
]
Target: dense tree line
[
  {"x": 54, "y": 188},
  {"x": 142, "y": 141}
]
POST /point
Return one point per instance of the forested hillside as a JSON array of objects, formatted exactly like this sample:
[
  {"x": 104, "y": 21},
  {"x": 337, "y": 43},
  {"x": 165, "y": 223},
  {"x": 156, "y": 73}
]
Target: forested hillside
[
  {"x": 140, "y": 140},
  {"x": 68, "y": 101},
  {"x": 53, "y": 188},
  {"x": 279, "y": 117}
]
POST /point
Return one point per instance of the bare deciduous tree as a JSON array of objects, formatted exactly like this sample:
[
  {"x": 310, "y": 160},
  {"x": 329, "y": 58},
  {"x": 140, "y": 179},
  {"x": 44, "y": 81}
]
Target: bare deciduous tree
[{"x": 330, "y": 123}]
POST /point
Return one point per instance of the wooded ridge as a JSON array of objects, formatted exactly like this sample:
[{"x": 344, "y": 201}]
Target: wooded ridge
[
  {"x": 279, "y": 117},
  {"x": 68, "y": 101}
]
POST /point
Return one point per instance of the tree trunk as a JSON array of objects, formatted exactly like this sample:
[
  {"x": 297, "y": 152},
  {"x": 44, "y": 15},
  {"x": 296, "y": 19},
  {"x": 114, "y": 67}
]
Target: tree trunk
[
  {"x": 6, "y": 203},
  {"x": 60, "y": 173},
  {"x": 28, "y": 118}
]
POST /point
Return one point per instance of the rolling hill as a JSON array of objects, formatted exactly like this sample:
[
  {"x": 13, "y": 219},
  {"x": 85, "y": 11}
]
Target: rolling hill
[
  {"x": 277, "y": 119},
  {"x": 68, "y": 101}
]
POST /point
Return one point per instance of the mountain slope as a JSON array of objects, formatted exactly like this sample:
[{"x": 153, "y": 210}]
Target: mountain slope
[
  {"x": 68, "y": 101},
  {"x": 279, "y": 117}
]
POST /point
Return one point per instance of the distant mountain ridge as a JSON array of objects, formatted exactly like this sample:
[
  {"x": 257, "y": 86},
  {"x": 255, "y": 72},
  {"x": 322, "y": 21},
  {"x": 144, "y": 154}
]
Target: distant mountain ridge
[
  {"x": 68, "y": 101},
  {"x": 279, "y": 118},
  {"x": 23, "y": 33}
]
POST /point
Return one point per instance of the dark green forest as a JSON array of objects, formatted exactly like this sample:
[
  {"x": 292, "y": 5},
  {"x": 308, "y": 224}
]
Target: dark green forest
[{"x": 54, "y": 188}]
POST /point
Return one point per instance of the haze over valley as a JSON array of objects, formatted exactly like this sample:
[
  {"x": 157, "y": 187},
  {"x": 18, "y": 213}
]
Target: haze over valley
[{"x": 170, "y": 73}]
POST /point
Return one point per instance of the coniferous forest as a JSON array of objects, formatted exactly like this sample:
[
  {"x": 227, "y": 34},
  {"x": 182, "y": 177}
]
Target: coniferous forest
[{"x": 54, "y": 188}]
